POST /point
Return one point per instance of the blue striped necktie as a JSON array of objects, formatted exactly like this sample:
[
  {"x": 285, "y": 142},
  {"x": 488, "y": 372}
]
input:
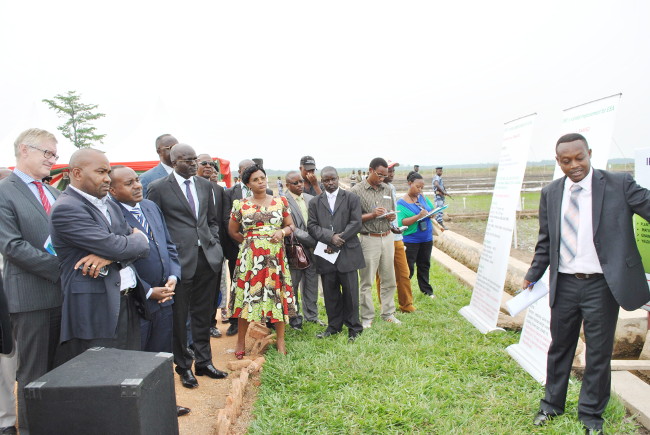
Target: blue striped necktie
[
  {"x": 569, "y": 239},
  {"x": 140, "y": 218}
]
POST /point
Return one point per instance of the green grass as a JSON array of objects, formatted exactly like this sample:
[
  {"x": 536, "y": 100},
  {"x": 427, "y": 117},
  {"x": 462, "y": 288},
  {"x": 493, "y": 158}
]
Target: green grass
[
  {"x": 434, "y": 374},
  {"x": 480, "y": 203}
]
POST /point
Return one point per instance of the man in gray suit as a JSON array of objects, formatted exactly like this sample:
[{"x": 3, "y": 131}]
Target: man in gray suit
[
  {"x": 31, "y": 274},
  {"x": 187, "y": 201},
  {"x": 95, "y": 248},
  {"x": 306, "y": 279},
  {"x": 164, "y": 144},
  {"x": 335, "y": 220},
  {"x": 594, "y": 267}
]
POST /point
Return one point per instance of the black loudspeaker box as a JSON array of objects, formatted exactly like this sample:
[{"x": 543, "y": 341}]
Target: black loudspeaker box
[{"x": 105, "y": 391}]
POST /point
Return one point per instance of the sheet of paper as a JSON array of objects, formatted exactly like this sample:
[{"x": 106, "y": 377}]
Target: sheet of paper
[
  {"x": 526, "y": 298},
  {"x": 320, "y": 251},
  {"x": 48, "y": 246}
]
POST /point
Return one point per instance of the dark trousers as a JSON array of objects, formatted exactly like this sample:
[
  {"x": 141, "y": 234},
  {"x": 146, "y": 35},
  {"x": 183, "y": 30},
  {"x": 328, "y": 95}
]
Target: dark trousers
[
  {"x": 341, "y": 294},
  {"x": 156, "y": 334},
  {"x": 575, "y": 300},
  {"x": 305, "y": 288},
  {"x": 37, "y": 335},
  {"x": 231, "y": 268},
  {"x": 419, "y": 254},
  {"x": 127, "y": 335},
  {"x": 194, "y": 297}
]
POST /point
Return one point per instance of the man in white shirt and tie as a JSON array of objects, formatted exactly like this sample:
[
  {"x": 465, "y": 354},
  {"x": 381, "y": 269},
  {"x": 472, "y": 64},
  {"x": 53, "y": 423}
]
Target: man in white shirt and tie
[{"x": 594, "y": 267}]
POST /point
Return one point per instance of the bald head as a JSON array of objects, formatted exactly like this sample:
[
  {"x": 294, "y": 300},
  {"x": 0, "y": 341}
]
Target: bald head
[
  {"x": 183, "y": 159},
  {"x": 90, "y": 172},
  {"x": 164, "y": 144},
  {"x": 245, "y": 164},
  {"x": 125, "y": 185}
]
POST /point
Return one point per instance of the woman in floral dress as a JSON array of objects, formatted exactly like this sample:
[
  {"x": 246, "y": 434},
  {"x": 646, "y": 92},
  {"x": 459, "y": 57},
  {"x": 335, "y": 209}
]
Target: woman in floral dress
[{"x": 261, "y": 288}]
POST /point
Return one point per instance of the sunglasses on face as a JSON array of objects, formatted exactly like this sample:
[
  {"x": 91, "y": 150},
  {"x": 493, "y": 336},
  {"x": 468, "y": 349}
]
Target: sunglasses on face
[{"x": 295, "y": 183}]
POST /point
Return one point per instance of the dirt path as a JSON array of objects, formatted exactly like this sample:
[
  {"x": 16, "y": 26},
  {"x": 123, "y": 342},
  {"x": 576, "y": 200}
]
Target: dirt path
[{"x": 206, "y": 400}]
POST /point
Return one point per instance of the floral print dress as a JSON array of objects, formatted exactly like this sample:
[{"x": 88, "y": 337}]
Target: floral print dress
[{"x": 261, "y": 289}]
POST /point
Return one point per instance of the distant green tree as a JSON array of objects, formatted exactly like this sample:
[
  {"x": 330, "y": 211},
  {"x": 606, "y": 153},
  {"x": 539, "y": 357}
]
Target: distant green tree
[{"x": 77, "y": 128}]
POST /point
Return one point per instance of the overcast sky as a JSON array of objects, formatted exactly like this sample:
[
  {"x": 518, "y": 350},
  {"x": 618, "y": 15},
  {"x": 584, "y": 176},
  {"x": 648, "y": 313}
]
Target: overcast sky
[{"x": 345, "y": 81}]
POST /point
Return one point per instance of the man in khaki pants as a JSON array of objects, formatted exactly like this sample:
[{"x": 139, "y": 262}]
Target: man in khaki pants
[
  {"x": 377, "y": 200},
  {"x": 402, "y": 272}
]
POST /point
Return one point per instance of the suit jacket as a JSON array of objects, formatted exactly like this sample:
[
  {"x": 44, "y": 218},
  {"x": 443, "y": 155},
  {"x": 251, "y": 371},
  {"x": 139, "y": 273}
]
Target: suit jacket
[
  {"x": 301, "y": 231},
  {"x": 613, "y": 234},
  {"x": 31, "y": 275},
  {"x": 230, "y": 247},
  {"x": 91, "y": 306},
  {"x": 153, "y": 174},
  {"x": 345, "y": 219},
  {"x": 185, "y": 230},
  {"x": 223, "y": 211},
  {"x": 162, "y": 261},
  {"x": 6, "y": 339}
]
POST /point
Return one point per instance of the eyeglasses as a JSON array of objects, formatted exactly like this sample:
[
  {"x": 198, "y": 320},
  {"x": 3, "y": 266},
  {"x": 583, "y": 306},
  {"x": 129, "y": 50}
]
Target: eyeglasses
[
  {"x": 295, "y": 183},
  {"x": 46, "y": 153},
  {"x": 188, "y": 161},
  {"x": 208, "y": 163}
]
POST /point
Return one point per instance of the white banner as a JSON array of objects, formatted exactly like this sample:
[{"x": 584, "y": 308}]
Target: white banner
[
  {"x": 641, "y": 226},
  {"x": 483, "y": 310},
  {"x": 595, "y": 121}
]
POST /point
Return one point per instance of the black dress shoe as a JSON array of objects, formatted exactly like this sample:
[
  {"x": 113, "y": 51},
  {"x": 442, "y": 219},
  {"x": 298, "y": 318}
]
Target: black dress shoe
[
  {"x": 9, "y": 430},
  {"x": 214, "y": 332},
  {"x": 326, "y": 333},
  {"x": 593, "y": 431},
  {"x": 181, "y": 411},
  {"x": 543, "y": 417},
  {"x": 210, "y": 371},
  {"x": 353, "y": 336},
  {"x": 187, "y": 378},
  {"x": 233, "y": 329}
]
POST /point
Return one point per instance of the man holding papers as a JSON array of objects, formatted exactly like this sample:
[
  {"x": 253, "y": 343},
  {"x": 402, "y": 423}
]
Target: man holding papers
[
  {"x": 594, "y": 267},
  {"x": 334, "y": 221}
]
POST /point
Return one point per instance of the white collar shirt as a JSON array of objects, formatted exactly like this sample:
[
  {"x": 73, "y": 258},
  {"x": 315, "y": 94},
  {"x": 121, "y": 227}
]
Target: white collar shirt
[
  {"x": 586, "y": 259},
  {"x": 181, "y": 183},
  {"x": 331, "y": 198},
  {"x": 100, "y": 204}
]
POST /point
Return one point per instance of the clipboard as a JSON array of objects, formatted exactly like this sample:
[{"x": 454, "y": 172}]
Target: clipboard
[{"x": 432, "y": 212}]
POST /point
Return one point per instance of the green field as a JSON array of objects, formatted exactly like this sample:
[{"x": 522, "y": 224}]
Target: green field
[
  {"x": 434, "y": 374},
  {"x": 480, "y": 203}
]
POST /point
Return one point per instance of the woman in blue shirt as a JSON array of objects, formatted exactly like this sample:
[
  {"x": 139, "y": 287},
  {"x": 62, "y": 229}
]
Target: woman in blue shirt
[{"x": 418, "y": 238}]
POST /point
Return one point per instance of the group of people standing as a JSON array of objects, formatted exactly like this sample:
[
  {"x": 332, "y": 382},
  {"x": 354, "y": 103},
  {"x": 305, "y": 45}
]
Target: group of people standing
[{"x": 138, "y": 262}]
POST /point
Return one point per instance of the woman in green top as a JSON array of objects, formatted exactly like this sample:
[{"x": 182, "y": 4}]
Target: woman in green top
[{"x": 418, "y": 237}]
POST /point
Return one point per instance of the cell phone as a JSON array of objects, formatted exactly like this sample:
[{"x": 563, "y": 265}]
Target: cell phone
[{"x": 103, "y": 271}]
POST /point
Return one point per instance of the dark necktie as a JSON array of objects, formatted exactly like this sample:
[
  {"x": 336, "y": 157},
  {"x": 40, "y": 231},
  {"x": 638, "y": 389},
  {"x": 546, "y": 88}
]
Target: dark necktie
[
  {"x": 569, "y": 242},
  {"x": 190, "y": 198},
  {"x": 41, "y": 193},
  {"x": 140, "y": 218}
]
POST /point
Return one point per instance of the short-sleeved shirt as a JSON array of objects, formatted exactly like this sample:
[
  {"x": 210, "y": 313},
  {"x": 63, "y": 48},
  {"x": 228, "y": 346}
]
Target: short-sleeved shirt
[{"x": 371, "y": 198}]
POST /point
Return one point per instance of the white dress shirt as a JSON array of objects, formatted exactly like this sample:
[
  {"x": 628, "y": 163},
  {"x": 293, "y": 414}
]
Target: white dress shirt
[
  {"x": 195, "y": 196},
  {"x": 331, "y": 198},
  {"x": 586, "y": 259}
]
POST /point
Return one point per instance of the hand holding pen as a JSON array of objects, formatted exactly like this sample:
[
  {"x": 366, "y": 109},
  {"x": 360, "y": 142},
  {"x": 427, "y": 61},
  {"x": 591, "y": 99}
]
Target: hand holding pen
[{"x": 527, "y": 285}]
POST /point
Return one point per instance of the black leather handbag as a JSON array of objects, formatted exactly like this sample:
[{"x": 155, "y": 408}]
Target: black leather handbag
[{"x": 296, "y": 255}]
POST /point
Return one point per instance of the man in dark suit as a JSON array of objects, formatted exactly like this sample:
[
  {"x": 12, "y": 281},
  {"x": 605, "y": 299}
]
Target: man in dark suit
[
  {"x": 187, "y": 202},
  {"x": 595, "y": 267},
  {"x": 207, "y": 168},
  {"x": 95, "y": 248},
  {"x": 164, "y": 144},
  {"x": 231, "y": 247},
  {"x": 305, "y": 280},
  {"x": 160, "y": 270},
  {"x": 335, "y": 220},
  {"x": 31, "y": 274},
  {"x": 7, "y": 370}
]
